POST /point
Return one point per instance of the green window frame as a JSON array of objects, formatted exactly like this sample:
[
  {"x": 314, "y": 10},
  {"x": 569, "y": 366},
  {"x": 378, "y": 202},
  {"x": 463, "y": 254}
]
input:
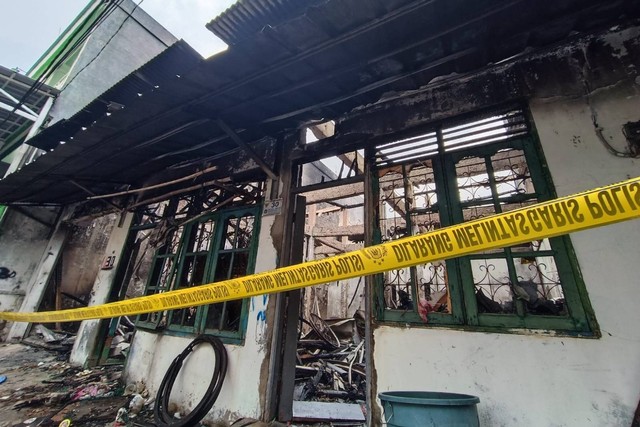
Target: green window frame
[
  {"x": 208, "y": 248},
  {"x": 454, "y": 172}
]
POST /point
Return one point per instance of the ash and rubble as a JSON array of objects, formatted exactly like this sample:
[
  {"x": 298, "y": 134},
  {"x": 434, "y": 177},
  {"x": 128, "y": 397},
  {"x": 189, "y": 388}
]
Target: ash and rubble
[
  {"x": 330, "y": 361},
  {"x": 42, "y": 389}
]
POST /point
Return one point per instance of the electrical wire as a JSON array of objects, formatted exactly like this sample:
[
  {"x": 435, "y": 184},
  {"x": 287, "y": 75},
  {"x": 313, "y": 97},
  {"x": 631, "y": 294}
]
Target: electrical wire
[
  {"x": 142, "y": 25},
  {"x": 598, "y": 131},
  {"x": 107, "y": 43},
  {"x": 597, "y": 128},
  {"x": 46, "y": 73},
  {"x": 79, "y": 42},
  {"x": 161, "y": 414}
]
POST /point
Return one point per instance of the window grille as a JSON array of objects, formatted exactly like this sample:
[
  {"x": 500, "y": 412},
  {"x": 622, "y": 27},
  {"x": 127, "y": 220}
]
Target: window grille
[
  {"x": 207, "y": 248},
  {"x": 457, "y": 172}
]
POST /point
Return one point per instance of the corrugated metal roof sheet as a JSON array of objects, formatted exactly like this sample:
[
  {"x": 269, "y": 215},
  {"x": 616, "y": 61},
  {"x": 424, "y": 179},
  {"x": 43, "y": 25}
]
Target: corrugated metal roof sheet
[
  {"x": 247, "y": 17},
  {"x": 317, "y": 65},
  {"x": 94, "y": 136},
  {"x": 155, "y": 75}
]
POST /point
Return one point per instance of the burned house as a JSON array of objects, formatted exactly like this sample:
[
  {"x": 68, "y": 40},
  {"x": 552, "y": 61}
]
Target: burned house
[
  {"x": 93, "y": 53},
  {"x": 331, "y": 125}
]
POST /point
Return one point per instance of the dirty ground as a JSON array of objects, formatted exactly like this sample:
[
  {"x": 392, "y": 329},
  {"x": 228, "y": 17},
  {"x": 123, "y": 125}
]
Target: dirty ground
[{"x": 42, "y": 389}]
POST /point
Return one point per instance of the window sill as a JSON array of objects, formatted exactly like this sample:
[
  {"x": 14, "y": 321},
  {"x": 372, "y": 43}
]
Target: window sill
[
  {"x": 183, "y": 334},
  {"x": 496, "y": 330}
]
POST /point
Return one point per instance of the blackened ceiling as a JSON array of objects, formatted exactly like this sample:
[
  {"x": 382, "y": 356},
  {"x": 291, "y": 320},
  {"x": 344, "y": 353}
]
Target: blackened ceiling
[{"x": 320, "y": 64}]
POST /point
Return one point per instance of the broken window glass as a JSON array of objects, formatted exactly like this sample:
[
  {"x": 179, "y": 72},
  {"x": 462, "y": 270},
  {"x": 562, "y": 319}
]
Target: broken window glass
[
  {"x": 462, "y": 172},
  {"x": 232, "y": 260},
  {"x": 407, "y": 207},
  {"x": 202, "y": 248}
]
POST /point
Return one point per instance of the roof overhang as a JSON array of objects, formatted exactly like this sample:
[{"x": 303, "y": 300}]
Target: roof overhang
[
  {"x": 243, "y": 19},
  {"x": 339, "y": 55}
]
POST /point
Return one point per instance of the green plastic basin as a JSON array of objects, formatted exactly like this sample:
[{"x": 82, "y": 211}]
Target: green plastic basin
[{"x": 429, "y": 408}]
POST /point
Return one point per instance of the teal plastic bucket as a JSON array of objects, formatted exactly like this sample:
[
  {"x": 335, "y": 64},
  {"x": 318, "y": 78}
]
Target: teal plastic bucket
[{"x": 429, "y": 408}]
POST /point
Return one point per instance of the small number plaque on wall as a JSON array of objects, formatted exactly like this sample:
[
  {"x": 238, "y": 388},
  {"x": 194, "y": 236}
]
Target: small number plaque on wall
[
  {"x": 109, "y": 262},
  {"x": 272, "y": 207}
]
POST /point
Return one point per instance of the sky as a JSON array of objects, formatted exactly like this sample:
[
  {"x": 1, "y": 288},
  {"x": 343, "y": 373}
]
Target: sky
[{"x": 29, "y": 27}]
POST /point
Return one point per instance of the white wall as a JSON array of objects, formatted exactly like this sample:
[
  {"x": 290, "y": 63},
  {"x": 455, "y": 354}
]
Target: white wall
[
  {"x": 22, "y": 244},
  {"x": 85, "y": 345},
  {"x": 119, "y": 46},
  {"x": 542, "y": 380},
  {"x": 151, "y": 354}
]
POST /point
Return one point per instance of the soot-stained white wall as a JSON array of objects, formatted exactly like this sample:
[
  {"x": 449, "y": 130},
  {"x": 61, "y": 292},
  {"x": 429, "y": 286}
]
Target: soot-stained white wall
[
  {"x": 541, "y": 379},
  {"x": 242, "y": 394}
]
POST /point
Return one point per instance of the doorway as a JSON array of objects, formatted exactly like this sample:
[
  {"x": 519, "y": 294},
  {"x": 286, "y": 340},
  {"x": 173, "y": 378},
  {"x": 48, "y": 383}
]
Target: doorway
[{"x": 330, "y": 379}]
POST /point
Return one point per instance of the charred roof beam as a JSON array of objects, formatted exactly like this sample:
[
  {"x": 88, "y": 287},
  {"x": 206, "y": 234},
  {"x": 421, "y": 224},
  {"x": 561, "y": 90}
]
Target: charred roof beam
[
  {"x": 91, "y": 193},
  {"x": 235, "y": 138}
]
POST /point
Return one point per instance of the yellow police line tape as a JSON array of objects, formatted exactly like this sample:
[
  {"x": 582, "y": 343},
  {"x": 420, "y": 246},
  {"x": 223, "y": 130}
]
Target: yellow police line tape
[{"x": 602, "y": 206}]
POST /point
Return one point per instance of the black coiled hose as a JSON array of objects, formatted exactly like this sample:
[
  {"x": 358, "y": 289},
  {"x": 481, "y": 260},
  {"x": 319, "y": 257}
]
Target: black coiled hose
[{"x": 161, "y": 415}]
